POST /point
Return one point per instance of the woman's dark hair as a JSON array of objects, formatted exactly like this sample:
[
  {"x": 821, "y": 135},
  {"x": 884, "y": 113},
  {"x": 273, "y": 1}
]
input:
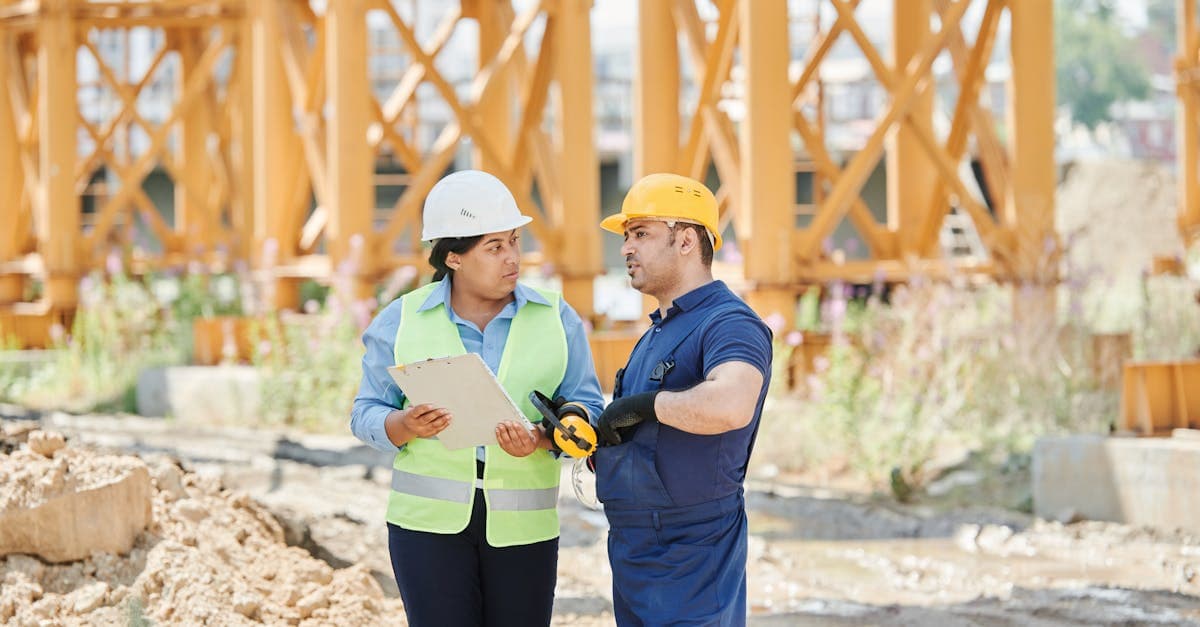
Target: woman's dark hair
[{"x": 442, "y": 249}]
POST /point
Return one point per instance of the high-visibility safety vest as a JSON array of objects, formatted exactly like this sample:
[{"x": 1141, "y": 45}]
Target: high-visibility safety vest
[{"x": 433, "y": 489}]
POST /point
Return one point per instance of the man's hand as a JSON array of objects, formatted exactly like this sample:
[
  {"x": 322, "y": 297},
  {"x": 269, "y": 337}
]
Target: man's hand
[
  {"x": 622, "y": 414},
  {"x": 516, "y": 440},
  {"x": 418, "y": 421}
]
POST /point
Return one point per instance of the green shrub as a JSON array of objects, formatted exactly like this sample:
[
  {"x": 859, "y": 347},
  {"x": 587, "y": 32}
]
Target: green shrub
[
  {"x": 311, "y": 366},
  {"x": 119, "y": 330},
  {"x": 940, "y": 368}
]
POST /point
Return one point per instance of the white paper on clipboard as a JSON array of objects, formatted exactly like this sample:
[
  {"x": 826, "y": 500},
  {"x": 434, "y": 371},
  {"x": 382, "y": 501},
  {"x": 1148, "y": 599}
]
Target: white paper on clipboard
[{"x": 464, "y": 385}]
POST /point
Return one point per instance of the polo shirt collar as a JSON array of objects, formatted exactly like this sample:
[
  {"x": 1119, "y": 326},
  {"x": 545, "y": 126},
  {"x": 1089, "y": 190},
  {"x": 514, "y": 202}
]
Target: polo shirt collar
[{"x": 691, "y": 300}]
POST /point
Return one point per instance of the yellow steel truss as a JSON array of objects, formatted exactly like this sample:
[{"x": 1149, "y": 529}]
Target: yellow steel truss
[
  {"x": 47, "y": 175},
  {"x": 274, "y": 114},
  {"x": 1187, "y": 70},
  {"x": 509, "y": 85},
  {"x": 752, "y": 158}
]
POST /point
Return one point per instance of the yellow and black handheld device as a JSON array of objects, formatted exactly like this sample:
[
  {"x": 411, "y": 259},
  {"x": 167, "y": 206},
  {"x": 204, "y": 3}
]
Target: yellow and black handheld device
[{"x": 568, "y": 426}]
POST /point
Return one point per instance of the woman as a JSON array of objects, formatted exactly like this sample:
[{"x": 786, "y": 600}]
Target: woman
[{"x": 473, "y": 534}]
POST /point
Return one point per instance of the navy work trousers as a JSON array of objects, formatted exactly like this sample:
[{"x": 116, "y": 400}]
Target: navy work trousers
[{"x": 452, "y": 580}]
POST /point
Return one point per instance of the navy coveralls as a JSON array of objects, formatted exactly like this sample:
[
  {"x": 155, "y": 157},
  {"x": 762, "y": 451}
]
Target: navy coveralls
[{"x": 677, "y": 538}]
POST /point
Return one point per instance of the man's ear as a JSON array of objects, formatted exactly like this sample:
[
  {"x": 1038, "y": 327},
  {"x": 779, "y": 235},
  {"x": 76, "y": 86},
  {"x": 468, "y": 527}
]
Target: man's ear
[{"x": 688, "y": 241}]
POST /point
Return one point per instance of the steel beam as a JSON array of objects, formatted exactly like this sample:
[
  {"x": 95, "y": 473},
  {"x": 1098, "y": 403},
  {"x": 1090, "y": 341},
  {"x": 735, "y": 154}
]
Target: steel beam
[
  {"x": 12, "y": 180},
  {"x": 191, "y": 154},
  {"x": 911, "y": 177},
  {"x": 655, "y": 97},
  {"x": 1029, "y": 212},
  {"x": 242, "y": 170},
  {"x": 655, "y": 91},
  {"x": 768, "y": 180},
  {"x": 349, "y": 159},
  {"x": 495, "y": 108},
  {"x": 274, "y": 147},
  {"x": 58, "y": 223},
  {"x": 577, "y": 205},
  {"x": 1188, "y": 120}
]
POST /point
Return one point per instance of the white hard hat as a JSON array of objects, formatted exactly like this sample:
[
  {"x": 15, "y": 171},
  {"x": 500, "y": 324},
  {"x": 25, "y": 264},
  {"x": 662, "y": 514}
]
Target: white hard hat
[{"x": 470, "y": 203}]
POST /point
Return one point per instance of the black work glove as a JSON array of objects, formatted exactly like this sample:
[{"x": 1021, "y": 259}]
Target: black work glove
[{"x": 619, "y": 418}]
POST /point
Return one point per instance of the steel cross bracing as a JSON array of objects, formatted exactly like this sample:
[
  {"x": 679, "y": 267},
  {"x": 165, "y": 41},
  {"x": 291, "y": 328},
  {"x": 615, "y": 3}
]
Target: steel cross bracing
[
  {"x": 744, "y": 44},
  {"x": 63, "y": 140},
  {"x": 277, "y": 123},
  {"x": 273, "y": 134}
]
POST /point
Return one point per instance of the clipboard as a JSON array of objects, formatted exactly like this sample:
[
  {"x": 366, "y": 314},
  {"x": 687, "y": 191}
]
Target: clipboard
[{"x": 464, "y": 385}]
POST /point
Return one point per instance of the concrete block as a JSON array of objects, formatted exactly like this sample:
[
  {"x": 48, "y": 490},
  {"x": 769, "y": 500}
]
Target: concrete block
[
  {"x": 68, "y": 527},
  {"x": 200, "y": 393},
  {"x": 1142, "y": 481}
]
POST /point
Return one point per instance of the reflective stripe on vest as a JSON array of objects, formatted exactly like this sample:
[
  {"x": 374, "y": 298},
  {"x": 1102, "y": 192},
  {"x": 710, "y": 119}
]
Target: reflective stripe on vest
[
  {"x": 522, "y": 500},
  {"x": 433, "y": 488},
  {"x": 460, "y": 492}
]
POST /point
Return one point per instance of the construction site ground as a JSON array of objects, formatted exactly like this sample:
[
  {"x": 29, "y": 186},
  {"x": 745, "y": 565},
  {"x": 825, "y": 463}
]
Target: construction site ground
[{"x": 261, "y": 526}]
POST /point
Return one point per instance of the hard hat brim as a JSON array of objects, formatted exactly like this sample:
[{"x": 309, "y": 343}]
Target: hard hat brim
[{"x": 616, "y": 224}]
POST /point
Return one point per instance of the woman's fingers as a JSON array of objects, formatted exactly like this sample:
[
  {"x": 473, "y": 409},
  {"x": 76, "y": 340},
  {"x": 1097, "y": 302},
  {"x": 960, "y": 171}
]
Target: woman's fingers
[
  {"x": 426, "y": 420},
  {"x": 515, "y": 439},
  {"x": 506, "y": 431},
  {"x": 428, "y": 413},
  {"x": 438, "y": 414},
  {"x": 440, "y": 423}
]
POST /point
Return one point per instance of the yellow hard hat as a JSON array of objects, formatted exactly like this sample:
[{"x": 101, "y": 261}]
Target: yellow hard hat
[{"x": 667, "y": 197}]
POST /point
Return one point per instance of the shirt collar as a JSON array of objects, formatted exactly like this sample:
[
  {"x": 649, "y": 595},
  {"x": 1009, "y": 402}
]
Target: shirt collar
[
  {"x": 690, "y": 300},
  {"x": 441, "y": 296}
]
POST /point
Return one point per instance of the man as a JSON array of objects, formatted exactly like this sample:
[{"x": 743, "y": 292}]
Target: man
[{"x": 682, "y": 424}]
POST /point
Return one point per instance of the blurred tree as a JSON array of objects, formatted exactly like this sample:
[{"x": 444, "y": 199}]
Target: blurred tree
[
  {"x": 1096, "y": 61},
  {"x": 1160, "y": 21}
]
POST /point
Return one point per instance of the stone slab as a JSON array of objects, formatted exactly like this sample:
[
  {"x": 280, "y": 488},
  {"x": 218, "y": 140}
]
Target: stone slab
[
  {"x": 1142, "y": 481},
  {"x": 225, "y": 394}
]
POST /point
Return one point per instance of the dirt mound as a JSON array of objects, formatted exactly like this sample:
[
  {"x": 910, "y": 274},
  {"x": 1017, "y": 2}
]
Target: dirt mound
[
  {"x": 44, "y": 470},
  {"x": 62, "y": 505},
  {"x": 208, "y": 556}
]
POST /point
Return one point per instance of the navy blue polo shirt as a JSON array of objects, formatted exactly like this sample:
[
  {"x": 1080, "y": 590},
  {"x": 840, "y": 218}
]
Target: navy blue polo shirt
[{"x": 703, "y": 329}]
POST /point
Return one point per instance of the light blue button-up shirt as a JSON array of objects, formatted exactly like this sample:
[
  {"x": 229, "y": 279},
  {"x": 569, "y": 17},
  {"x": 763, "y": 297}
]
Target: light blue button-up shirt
[{"x": 378, "y": 394}]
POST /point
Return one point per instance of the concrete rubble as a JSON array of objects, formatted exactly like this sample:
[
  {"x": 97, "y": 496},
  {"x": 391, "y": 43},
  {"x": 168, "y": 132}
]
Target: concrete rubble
[{"x": 89, "y": 538}]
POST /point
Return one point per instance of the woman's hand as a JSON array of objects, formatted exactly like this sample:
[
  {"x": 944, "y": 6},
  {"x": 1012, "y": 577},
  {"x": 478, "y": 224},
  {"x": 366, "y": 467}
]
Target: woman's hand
[
  {"x": 418, "y": 421},
  {"x": 518, "y": 441}
]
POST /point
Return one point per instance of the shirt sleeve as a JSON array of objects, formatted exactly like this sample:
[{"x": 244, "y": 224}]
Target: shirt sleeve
[
  {"x": 579, "y": 383},
  {"x": 738, "y": 336},
  {"x": 378, "y": 394}
]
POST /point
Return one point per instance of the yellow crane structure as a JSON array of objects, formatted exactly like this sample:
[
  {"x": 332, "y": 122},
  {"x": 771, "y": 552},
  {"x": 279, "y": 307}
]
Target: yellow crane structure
[
  {"x": 274, "y": 130},
  {"x": 1187, "y": 70},
  {"x": 755, "y": 161},
  {"x": 272, "y": 109}
]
